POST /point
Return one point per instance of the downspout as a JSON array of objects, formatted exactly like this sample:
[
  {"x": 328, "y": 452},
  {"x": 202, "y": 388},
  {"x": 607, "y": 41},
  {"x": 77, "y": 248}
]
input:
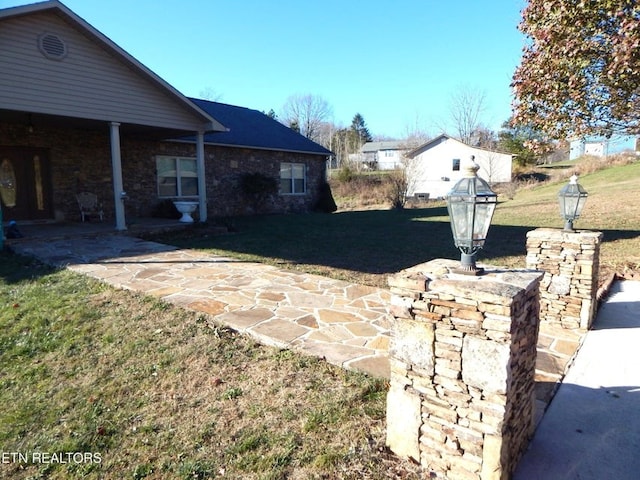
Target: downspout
[
  {"x": 202, "y": 177},
  {"x": 116, "y": 166}
]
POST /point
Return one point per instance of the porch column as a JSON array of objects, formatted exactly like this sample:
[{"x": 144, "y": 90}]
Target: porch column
[
  {"x": 202, "y": 180},
  {"x": 116, "y": 167}
]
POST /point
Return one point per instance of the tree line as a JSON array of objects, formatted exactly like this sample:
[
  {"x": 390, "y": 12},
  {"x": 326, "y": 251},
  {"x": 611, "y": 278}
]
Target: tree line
[
  {"x": 579, "y": 76},
  {"x": 310, "y": 115}
]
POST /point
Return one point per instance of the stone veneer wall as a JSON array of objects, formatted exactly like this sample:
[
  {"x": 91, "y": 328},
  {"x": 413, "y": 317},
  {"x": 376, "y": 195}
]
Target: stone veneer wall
[
  {"x": 81, "y": 161},
  {"x": 461, "y": 398},
  {"x": 569, "y": 287},
  {"x": 225, "y": 166}
]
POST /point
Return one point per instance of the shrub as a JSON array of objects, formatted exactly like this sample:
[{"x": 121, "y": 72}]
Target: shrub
[
  {"x": 165, "y": 209},
  {"x": 397, "y": 189},
  {"x": 325, "y": 203},
  {"x": 258, "y": 188},
  {"x": 346, "y": 174}
]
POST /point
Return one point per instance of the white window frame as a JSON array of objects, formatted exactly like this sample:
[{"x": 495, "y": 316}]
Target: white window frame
[
  {"x": 293, "y": 167},
  {"x": 180, "y": 172}
]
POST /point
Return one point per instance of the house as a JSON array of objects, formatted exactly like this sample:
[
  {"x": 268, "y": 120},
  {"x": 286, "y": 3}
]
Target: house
[
  {"x": 433, "y": 168},
  {"x": 78, "y": 113},
  {"x": 384, "y": 155},
  {"x": 601, "y": 146},
  {"x": 256, "y": 143}
]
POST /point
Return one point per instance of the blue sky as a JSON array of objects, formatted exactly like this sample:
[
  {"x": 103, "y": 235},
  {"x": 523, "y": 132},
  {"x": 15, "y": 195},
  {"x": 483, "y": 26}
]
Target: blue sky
[{"x": 396, "y": 63}]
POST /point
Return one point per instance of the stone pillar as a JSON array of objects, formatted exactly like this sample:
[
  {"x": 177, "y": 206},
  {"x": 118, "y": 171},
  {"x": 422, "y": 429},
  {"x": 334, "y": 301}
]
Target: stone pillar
[
  {"x": 570, "y": 262},
  {"x": 461, "y": 398}
]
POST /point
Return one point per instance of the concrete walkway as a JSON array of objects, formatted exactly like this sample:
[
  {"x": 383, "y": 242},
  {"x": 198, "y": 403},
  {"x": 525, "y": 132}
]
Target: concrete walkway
[
  {"x": 591, "y": 430},
  {"x": 345, "y": 323}
]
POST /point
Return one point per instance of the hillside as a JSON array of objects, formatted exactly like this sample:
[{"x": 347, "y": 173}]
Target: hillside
[{"x": 613, "y": 207}]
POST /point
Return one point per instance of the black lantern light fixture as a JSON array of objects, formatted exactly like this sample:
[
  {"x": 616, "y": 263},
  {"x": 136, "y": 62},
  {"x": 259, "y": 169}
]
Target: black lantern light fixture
[
  {"x": 571, "y": 198},
  {"x": 471, "y": 204}
]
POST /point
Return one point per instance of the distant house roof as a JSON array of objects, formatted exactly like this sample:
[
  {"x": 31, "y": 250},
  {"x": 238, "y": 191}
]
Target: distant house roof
[
  {"x": 389, "y": 145},
  {"x": 441, "y": 139},
  {"x": 431, "y": 143},
  {"x": 249, "y": 128}
]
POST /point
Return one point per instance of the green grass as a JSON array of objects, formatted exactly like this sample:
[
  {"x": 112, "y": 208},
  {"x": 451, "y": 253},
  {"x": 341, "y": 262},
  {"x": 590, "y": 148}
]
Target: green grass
[
  {"x": 358, "y": 245},
  {"x": 612, "y": 207},
  {"x": 367, "y": 246},
  {"x": 158, "y": 392}
]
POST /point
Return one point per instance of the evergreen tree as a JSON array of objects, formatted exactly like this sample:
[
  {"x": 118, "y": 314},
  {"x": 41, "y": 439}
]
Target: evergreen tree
[
  {"x": 272, "y": 114},
  {"x": 359, "y": 126},
  {"x": 358, "y": 134}
]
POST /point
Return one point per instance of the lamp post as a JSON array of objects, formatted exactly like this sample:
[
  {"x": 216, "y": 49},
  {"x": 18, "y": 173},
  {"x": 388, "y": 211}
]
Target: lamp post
[
  {"x": 571, "y": 198},
  {"x": 471, "y": 204}
]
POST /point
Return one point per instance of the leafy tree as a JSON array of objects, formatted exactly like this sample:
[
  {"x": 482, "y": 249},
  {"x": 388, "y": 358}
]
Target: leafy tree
[
  {"x": 580, "y": 72},
  {"x": 524, "y": 142}
]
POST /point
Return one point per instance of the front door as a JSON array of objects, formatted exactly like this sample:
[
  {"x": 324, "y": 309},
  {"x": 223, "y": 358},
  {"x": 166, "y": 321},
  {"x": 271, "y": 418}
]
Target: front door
[{"x": 25, "y": 184}]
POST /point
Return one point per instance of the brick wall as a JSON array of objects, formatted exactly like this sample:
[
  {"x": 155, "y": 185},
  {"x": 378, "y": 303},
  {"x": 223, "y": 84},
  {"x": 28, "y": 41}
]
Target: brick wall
[
  {"x": 81, "y": 161},
  {"x": 461, "y": 396}
]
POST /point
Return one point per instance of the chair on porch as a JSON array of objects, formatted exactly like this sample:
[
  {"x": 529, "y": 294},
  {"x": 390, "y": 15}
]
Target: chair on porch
[{"x": 89, "y": 206}]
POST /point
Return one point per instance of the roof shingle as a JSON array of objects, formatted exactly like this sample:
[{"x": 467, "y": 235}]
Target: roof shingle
[{"x": 253, "y": 129}]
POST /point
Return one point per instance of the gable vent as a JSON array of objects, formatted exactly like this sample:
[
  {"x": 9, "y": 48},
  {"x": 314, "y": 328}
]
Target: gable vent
[{"x": 52, "y": 46}]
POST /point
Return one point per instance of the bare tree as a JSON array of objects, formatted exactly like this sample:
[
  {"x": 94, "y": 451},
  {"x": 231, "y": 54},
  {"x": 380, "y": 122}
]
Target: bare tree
[
  {"x": 466, "y": 106},
  {"x": 415, "y": 134},
  {"x": 491, "y": 166},
  {"x": 403, "y": 181},
  {"x": 307, "y": 112},
  {"x": 325, "y": 133},
  {"x": 209, "y": 93}
]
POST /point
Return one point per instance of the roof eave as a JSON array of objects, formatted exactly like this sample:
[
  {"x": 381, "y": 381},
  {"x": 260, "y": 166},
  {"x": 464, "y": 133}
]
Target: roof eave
[
  {"x": 209, "y": 124},
  {"x": 253, "y": 147}
]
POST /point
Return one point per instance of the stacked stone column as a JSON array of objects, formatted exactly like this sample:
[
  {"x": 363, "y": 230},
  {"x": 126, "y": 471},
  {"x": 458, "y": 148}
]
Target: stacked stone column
[
  {"x": 568, "y": 289},
  {"x": 461, "y": 397}
]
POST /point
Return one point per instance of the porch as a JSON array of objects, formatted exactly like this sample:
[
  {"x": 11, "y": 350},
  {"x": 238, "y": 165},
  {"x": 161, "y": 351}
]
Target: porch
[{"x": 60, "y": 230}]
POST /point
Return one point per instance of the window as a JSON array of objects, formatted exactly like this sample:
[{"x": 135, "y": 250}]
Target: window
[
  {"x": 292, "y": 178},
  {"x": 456, "y": 164},
  {"x": 177, "y": 177}
]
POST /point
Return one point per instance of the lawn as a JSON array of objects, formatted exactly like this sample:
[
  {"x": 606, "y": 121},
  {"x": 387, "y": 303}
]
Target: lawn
[
  {"x": 156, "y": 392},
  {"x": 366, "y": 246},
  {"x": 103, "y": 383}
]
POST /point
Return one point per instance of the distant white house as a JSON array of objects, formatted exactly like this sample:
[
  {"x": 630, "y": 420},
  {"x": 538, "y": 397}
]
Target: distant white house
[
  {"x": 600, "y": 146},
  {"x": 433, "y": 168},
  {"x": 381, "y": 155}
]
